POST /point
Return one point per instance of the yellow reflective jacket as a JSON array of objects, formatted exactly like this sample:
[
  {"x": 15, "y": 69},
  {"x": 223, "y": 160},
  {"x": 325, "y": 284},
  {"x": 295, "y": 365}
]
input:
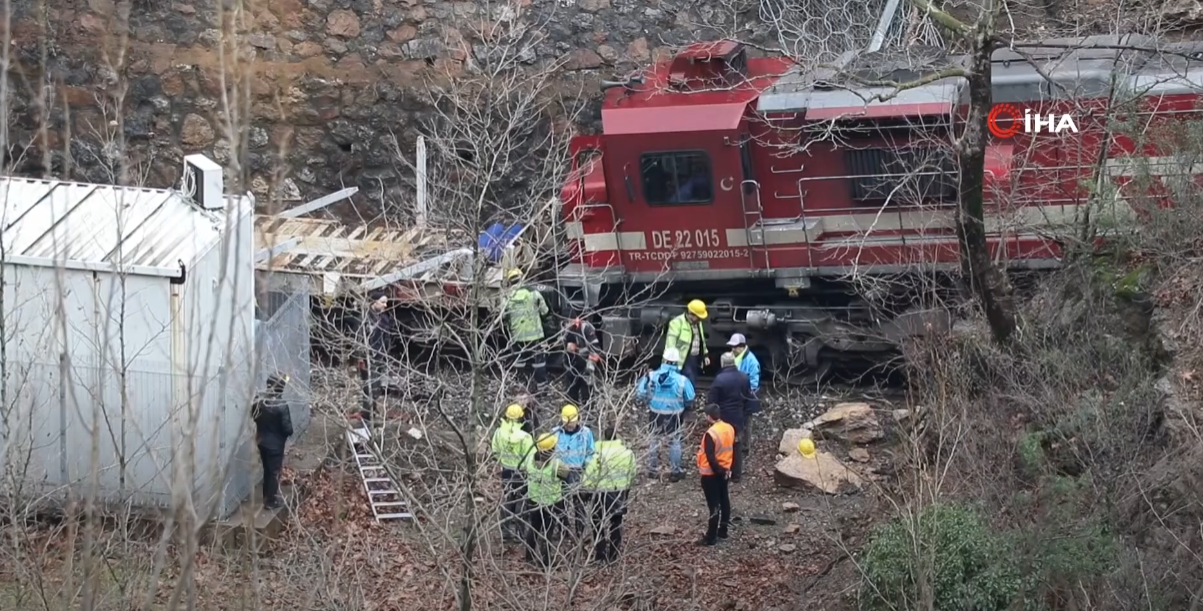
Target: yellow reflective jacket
[
  {"x": 680, "y": 336},
  {"x": 611, "y": 469}
]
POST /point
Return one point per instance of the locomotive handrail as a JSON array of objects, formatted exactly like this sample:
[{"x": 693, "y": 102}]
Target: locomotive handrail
[
  {"x": 614, "y": 222},
  {"x": 802, "y": 217},
  {"x": 759, "y": 221}
]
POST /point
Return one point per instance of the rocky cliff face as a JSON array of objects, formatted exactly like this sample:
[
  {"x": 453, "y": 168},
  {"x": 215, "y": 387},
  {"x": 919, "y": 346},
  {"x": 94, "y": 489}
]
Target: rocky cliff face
[{"x": 335, "y": 85}]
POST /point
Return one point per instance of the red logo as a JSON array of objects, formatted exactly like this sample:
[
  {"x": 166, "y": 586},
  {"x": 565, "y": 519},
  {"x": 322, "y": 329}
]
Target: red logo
[{"x": 1003, "y": 111}]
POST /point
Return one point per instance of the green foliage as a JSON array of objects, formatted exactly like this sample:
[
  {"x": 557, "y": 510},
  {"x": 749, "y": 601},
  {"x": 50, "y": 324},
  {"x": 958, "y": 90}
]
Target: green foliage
[
  {"x": 1065, "y": 544},
  {"x": 1031, "y": 453},
  {"x": 950, "y": 547}
]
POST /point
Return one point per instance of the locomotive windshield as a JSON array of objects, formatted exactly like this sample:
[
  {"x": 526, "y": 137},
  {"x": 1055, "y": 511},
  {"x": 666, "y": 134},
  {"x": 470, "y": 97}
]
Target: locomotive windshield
[{"x": 677, "y": 177}]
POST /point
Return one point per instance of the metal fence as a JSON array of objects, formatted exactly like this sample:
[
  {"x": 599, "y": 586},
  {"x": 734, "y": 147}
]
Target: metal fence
[{"x": 282, "y": 340}]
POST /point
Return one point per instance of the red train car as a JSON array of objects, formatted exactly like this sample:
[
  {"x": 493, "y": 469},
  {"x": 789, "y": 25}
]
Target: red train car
[{"x": 816, "y": 215}]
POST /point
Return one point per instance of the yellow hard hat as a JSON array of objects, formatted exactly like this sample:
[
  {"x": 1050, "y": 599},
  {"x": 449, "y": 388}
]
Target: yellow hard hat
[
  {"x": 547, "y": 442},
  {"x": 806, "y": 447},
  {"x": 697, "y": 308},
  {"x": 513, "y": 273},
  {"x": 569, "y": 413},
  {"x": 515, "y": 412}
]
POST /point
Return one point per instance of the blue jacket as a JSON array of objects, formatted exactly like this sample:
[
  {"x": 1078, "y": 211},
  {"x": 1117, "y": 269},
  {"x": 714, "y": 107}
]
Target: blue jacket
[
  {"x": 574, "y": 448},
  {"x": 731, "y": 392},
  {"x": 749, "y": 366},
  {"x": 665, "y": 390}
]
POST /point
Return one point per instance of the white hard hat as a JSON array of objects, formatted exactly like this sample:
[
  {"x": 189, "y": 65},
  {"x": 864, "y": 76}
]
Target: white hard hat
[
  {"x": 671, "y": 355},
  {"x": 737, "y": 340}
]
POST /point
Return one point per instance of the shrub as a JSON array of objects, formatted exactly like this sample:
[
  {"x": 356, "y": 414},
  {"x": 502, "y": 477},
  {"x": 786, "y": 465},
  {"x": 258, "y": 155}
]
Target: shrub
[{"x": 950, "y": 551}]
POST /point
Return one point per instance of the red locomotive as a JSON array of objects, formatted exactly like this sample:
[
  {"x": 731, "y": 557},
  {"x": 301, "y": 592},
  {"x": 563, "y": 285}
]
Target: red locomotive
[{"x": 816, "y": 215}]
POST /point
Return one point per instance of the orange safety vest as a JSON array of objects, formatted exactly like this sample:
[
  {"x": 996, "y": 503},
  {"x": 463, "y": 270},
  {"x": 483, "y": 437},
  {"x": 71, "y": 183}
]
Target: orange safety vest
[{"x": 724, "y": 447}]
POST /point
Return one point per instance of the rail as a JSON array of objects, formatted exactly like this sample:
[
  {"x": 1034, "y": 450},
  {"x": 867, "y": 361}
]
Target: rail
[{"x": 615, "y": 221}]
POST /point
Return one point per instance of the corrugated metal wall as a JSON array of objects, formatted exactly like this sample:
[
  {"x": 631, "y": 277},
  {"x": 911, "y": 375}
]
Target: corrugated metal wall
[{"x": 109, "y": 380}]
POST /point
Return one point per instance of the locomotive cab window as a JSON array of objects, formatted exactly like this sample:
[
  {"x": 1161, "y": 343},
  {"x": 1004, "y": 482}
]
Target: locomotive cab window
[{"x": 676, "y": 178}]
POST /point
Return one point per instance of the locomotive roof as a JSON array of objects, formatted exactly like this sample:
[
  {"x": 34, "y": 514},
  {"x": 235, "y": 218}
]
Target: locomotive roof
[
  {"x": 1078, "y": 67},
  {"x": 826, "y": 93},
  {"x": 655, "y": 107}
]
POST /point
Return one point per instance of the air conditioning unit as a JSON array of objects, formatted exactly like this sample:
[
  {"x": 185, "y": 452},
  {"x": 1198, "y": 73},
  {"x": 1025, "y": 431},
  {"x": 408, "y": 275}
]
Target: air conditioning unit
[{"x": 202, "y": 182}]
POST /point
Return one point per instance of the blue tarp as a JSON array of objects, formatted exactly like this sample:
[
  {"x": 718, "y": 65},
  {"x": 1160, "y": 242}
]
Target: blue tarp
[{"x": 494, "y": 240}]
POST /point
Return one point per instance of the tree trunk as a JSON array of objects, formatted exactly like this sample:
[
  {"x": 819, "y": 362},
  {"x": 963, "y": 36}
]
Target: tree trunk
[{"x": 987, "y": 283}]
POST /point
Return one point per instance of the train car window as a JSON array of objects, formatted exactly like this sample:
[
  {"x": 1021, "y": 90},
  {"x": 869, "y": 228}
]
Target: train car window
[
  {"x": 676, "y": 178},
  {"x": 910, "y": 175}
]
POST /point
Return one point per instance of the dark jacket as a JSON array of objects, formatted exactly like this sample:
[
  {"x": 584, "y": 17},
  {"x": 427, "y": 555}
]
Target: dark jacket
[
  {"x": 273, "y": 422},
  {"x": 730, "y": 391},
  {"x": 380, "y": 333},
  {"x": 585, "y": 338}
]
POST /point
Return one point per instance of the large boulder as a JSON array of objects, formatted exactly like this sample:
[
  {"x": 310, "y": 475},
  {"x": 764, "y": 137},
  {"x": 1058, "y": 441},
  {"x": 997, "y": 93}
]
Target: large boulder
[
  {"x": 849, "y": 423},
  {"x": 790, "y": 439},
  {"x": 823, "y": 473}
]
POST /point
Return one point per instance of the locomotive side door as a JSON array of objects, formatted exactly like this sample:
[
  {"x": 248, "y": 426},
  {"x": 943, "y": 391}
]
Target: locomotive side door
[{"x": 685, "y": 190}]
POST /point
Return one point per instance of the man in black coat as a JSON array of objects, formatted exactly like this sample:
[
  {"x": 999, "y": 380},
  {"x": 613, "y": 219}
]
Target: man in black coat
[
  {"x": 373, "y": 370},
  {"x": 584, "y": 352},
  {"x": 731, "y": 392},
  {"x": 273, "y": 427}
]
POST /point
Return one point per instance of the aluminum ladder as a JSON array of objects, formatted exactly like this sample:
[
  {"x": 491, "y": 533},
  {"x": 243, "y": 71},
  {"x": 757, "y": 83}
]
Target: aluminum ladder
[{"x": 383, "y": 496}]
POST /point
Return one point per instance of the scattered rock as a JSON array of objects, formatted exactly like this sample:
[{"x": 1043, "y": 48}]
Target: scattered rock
[
  {"x": 790, "y": 439},
  {"x": 790, "y": 507},
  {"x": 608, "y": 53},
  {"x": 1182, "y": 12},
  {"x": 823, "y": 473},
  {"x": 335, "y": 46},
  {"x": 762, "y": 520},
  {"x": 583, "y": 59},
  {"x": 342, "y": 23},
  {"x": 593, "y": 6},
  {"x": 859, "y": 454},
  {"x": 196, "y": 132},
  {"x": 403, "y": 34},
  {"x": 793, "y": 528},
  {"x": 287, "y": 191},
  {"x": 848, "y": 422},
  {"x": 307, "y": 48},
  {"x": 424, "y": 48},
  {"x": 787, "y": 547},
  {"x": 262, "y": 41},
  {"x": 638, "y": 50},
  {"x": 664, "y": 529}
]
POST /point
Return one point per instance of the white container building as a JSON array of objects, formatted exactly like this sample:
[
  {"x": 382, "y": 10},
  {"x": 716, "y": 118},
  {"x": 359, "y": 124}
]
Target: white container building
[{"x": 128, "y": 322}]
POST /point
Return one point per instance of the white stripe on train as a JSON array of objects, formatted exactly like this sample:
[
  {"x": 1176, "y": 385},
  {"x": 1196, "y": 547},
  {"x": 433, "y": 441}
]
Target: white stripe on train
[{"x": 862, "y": 226}]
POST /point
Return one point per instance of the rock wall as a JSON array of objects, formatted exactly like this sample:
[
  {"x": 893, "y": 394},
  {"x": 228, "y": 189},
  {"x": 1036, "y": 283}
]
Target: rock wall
[{"x": 333, "y": 80}]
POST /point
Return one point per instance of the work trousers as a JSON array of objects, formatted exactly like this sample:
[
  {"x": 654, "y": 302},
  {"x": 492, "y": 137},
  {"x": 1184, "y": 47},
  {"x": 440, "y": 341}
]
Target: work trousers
[
  {"x": 532, "y": 364},
  {"x": 718, "y": 503},
  {"x": 665, "y": 428},
  {"x": 692, "y": 367},
  {"x": 576, "y": 510},
  {"x": 607, "y": 511},
  {"x": 514, "y": 490},
  {"x": 579, "y": 390},
  {"x": 273, "y": 463},
  {"x": 740, "y": 450},
  {"x": 544, "y": 534}
]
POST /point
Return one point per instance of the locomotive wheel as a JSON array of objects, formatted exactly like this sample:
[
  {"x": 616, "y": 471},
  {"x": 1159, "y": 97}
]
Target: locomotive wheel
[
  {"x": 803, "y": 375},
  {"x": 798, "y": 362}
]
